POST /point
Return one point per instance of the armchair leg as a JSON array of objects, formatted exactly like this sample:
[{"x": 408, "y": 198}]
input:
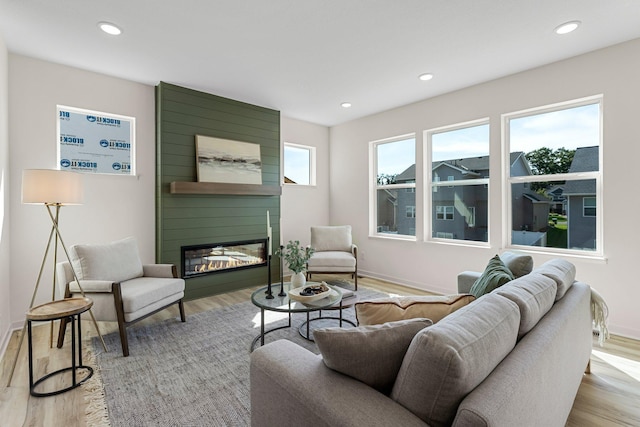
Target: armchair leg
[
  {"x": 122, "y": 326},
  {"x": 63, "y": 322},
  {"x": 62, "y": 331},
  {"x": 355, "y": 280},
  {"x": 181, "y": 307}
]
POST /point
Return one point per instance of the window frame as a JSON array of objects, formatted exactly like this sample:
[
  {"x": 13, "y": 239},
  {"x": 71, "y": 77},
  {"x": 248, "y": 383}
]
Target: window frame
[
  {"x": 311, "y": 166},
  {"x": 431, "y": 186},
  {"x": 374, "y": 187},
  {"x": 508, "y": 180}
]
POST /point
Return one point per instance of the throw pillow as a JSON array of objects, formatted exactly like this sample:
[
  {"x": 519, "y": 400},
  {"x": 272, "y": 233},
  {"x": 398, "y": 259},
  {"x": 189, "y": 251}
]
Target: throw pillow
[
  {"x": 495, "y": 275},
  {"x": 433, "y": 307},
  {"x": 371, "y": 354}
]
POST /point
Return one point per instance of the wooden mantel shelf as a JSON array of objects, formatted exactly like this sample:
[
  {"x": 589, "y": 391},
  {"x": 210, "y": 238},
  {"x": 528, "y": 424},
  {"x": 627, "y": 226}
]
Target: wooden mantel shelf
[{"x": 224, "y": 188}]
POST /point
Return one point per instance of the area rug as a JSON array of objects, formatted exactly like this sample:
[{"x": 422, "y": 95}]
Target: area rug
[{"x": 194, "y": 373}]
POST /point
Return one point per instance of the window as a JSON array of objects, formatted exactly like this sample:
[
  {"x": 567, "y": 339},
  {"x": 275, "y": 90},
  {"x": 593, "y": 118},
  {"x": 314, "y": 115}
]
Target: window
[
  {"x": 393, "y": 178},
  {"x": 554, "y": 176},
  {"x": 299, "y": 164},
  {"x": 588, "y": 206},
  {"x": 95, "y": 142},
  {"x": 444, "y": 213},
  {"x": 459, "y": 179}
]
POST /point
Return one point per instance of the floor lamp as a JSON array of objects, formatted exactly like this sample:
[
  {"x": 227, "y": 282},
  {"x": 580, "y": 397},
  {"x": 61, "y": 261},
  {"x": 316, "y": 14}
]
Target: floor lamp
[{"x": 54, "y": 189}]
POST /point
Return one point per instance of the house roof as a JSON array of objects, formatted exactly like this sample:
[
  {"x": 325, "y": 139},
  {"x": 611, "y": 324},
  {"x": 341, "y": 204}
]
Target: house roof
[
  {"x": 585, "y": 159},
  {"x": 477, "y": 167},
  {"x": 536, "y": 198}
]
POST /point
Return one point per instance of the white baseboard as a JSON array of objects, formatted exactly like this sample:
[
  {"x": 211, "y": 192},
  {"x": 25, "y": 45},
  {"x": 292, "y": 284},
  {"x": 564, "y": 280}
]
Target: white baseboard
[
  {"x": 408, "y": 284},
  {"x": 6, "y": 337}
]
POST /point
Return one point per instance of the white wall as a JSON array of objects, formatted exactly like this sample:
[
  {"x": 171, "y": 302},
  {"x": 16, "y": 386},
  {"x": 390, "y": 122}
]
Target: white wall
[
  {"x": 302, "y": 205},
  {"x": 5, "y": 237},
  {"x": 114, "y": 206},
  {"x": 612, "y": 72}
]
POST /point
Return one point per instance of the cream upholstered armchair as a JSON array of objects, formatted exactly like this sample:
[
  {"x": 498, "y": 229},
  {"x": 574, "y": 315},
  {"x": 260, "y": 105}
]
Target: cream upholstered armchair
[
  {"x": 334, "y": 252},
  {"x": 123, "y": 290}
]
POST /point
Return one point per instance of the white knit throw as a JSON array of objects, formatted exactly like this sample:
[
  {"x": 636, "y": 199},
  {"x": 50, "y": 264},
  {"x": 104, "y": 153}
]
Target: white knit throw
[{"x": 599, "y": 315}]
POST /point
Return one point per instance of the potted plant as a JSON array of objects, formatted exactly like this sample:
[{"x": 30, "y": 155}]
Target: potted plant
[{"x": 296, "y": 258}]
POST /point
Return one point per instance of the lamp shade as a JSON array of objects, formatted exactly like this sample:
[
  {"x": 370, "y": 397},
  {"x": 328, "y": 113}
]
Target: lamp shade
[{"x": 51, "y": 186}]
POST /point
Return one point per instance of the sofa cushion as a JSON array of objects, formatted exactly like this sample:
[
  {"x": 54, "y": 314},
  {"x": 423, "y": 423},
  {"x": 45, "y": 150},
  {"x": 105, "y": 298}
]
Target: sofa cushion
[
  {"x": 518, "y": 264},
  {"x": 339, "y": 261},
  {"x": 116, "y": 261},
  {"x": 331, "y": 238},
  {"x": 449, "y": 359},
  {"x": 560, "y": 270},
  {"x": 495, "y": 275},
  {"x": 534, "y": 294},
  {"x": 140, "y": 292},
  {"x": 433, "y": 307},
  {"x": 371, "y": 354}
]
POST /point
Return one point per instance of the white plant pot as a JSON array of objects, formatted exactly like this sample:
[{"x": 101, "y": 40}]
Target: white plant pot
[{"x": 298, "y": 280}]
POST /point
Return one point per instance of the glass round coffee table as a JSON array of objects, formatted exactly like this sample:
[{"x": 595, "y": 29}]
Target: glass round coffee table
[{"x": 284, "y": 304}]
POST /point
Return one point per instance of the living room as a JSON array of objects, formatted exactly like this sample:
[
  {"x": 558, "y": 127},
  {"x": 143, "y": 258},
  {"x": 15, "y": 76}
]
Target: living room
[{"x": 117, "y": 207}]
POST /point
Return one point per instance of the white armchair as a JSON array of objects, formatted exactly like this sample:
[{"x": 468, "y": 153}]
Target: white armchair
[
  {"x": 334, "y": 252},
  {"x": 123, "y": 290}
]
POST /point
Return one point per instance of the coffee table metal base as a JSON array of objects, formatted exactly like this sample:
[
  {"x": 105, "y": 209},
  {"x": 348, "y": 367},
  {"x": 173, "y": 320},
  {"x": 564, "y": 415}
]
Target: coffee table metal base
[{"x": 263, "y": 332}]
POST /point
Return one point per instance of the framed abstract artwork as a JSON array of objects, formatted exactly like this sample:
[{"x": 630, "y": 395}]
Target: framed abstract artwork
[{"x": 225, "y": 160}]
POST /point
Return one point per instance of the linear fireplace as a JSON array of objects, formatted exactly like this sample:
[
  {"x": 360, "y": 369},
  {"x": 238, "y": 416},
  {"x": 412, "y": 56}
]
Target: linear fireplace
[{"x": 199, "y": 260}]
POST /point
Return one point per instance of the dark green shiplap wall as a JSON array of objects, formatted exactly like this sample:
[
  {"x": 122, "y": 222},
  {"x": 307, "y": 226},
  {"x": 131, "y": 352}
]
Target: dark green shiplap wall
[{"x": 186, "y": 219}]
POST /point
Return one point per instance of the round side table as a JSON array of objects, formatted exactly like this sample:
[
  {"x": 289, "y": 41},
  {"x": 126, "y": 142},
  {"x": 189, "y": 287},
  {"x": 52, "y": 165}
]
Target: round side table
[{"x": 70, "y": 309}]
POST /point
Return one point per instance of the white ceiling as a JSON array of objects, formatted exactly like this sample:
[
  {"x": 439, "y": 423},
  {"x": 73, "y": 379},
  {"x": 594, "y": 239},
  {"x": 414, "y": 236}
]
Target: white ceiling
[{"x": 305, "y": 57}]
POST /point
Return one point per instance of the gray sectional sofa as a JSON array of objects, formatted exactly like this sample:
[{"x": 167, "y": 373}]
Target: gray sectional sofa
[{"x": 514, "y": 357}]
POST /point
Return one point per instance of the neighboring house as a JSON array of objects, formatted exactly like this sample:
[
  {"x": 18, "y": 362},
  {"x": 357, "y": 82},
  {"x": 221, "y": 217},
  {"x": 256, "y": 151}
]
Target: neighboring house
[
  {"x": 581, "y": 201},
  {"x": 558, "y": 200},
  {"x": 406, "y": 202},
  {"x": 461, "y": 212},
  {"x": 387, "y": 204}
]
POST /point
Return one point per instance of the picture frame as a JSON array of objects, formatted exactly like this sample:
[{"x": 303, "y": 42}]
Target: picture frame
[{"x": 228, "y": 161}]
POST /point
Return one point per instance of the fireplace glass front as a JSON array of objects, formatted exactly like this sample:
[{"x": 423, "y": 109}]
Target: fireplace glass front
[{"x": 216, "y": 257}]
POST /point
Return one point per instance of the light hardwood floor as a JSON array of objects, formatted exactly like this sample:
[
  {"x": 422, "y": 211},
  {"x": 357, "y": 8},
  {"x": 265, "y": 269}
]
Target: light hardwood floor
[{"x": 609, "y": 396}]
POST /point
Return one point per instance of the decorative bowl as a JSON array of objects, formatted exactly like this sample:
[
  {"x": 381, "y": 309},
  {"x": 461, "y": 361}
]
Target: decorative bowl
[{"x": 295, "y": 294}]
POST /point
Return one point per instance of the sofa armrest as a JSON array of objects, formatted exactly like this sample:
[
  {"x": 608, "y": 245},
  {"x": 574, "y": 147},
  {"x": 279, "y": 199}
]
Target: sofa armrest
[
  {"x": 159, "y": 270},
  {"x": 354, "y": 250},
  {"x": 91, "y": 286},
  {"x": 466, "y": 279},
  {"x": 291, "y": 386}
]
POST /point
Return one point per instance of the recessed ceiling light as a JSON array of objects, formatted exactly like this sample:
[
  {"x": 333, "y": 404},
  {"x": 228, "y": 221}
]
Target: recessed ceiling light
[
  {"x": 346, "y": 105},
  {"x": 425, "y": 76},
  {"x": 567, "y": 27},
  {"x": 110, "y": 28}
]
